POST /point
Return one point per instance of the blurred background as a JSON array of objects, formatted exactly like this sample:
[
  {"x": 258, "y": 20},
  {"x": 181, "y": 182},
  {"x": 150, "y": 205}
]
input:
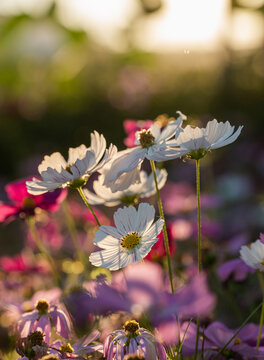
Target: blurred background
[{"x": 68, "y": 67}]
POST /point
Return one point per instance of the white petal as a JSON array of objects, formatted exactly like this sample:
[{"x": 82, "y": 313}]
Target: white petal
[
  {"x": 145, "y": 217},
  {"x": 126, "y": 162},
  {"x": 229, "y": 140},
  {"x": 76, "y": 153},
  {"x": 125, "y": 219},
  {"x": 98, "y": 145},
  {"x": 150, "y": 188},
  {"x": 55, "y": 161},
  {"x": 171, "y": 129},
  {"x": 112, "y": 259}
]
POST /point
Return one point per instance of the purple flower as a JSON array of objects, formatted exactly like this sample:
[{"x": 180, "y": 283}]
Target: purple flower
[
  {"x": 42, "y": 319},
  {"x": 192, "y": 300},
  {"x": 216, "y": 335},
  {"x": 74, "y": 351},
  {"x": 133, "y": 340},
  {"x": 23, "y": 204},
  {"x": 237, "y": 267}
]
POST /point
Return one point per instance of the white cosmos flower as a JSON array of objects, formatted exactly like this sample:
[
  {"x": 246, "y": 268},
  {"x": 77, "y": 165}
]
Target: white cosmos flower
[
  {"x": 145, "y": 188},
  {"x": 130, "y": 241},
  {"x": 253, "y": 255},
  {"x": 82, "y": 162},
  {"x": 197, "y": 141},
  {"x": 152, "y": 144}
]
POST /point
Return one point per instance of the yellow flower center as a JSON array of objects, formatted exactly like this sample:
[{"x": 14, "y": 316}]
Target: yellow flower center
[
  {"x": 146, "y": 139},
  {"x": 237, "y": 341},
  {"x": 66, "y": 348},
  {"x": 131, "y": 327},
  {"x": 130, "y": 241},
  {"x": 42, "y": 306}
]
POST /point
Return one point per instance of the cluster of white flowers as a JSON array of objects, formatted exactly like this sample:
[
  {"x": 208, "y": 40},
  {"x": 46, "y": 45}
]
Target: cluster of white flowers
[{"x": 121, "y": 181}]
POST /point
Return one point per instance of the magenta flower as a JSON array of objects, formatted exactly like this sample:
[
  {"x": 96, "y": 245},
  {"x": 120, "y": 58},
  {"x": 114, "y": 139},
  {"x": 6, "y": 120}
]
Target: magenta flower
[
  {"x": 20, "y": 264},
  {"x": 133, "y": 340},
  {"x": 131, "y": 127},
  {"x": 236, "y": 267},
  {"x": 42, "y": 319},
  {"x": 23, "y": 204}
]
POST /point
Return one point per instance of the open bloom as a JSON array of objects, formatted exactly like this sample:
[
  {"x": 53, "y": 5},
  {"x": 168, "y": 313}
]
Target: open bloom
[
  {"x": 133, "y": 340},
  {"x": 23, "y": 204},
  {"x": 130, "y": 241},
  {"x": 42, "y": 319},
  {"x": 152, "y": 144},
  {"x": 253, "y": 255},
  {"x": 146, "y": 188},
  {"x": 82, "y": 162},
  {"x": 197, "y": 141}
]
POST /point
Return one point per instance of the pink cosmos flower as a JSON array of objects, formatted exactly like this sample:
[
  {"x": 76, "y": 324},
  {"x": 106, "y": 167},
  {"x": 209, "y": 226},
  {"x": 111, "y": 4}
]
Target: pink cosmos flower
[
  {"x": 158, "y": 251},
  {"x": 24, "y": 204},
  {"x": 42, "y": 319},
  {"x": 131, "y": 127},
  {"x": 133, "y": 340}
]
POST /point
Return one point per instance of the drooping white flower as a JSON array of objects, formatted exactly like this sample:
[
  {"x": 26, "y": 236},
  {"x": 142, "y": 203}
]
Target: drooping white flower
[
  {"x": 145, "y": 188},
  {"x": 253, "y": 255},
  {"x": 82, "y": 162},
  {"x": 130, "y": 241},
  {"x": 152, "y": 144},
  {"x": 133, "y": 340},
  {"x": 197, "y": 141}
]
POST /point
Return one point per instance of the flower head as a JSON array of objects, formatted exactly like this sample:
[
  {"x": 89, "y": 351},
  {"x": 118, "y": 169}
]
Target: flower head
[
  {"x": 133, "y": 340},
  {"x": 43, "y": 318},
  {"x": 74, "y": 173},
  {"x": 24, "y": 204},
  {"x": 130, "y": 241},
  {"x": 33, "y": 346},
  {"x": 152, "y": 144},
  {"x": 196, "y": 142},
  {"x": 130, "y": 196},
  {"x": 253, "y": 255}
]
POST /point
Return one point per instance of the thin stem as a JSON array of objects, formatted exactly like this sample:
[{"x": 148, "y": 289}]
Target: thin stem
[
  {"x": 238, "y": 330},
  {"x": 42, "y": 249},
  {"x": 261, "y": 282},
  {"x": 165, "y": 234},
  {"x": 198, "y": 214},
  {"x": 80, "y": 190},
  {"x": 72, "y": 229},
  {"x": 199, "y": 244}
]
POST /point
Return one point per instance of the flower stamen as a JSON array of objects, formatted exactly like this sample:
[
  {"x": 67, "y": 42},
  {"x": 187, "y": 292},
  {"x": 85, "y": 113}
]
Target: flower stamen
[
  {"x": 67, "y": 348},
  {"x": 146, "y": 139},
  {"x": 131, "y": 327},
  {"x": 42, "y": 306},
  {"x": 130, "y": 241}
]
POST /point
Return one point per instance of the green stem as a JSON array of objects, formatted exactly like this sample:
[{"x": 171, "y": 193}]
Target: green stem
[
  {"x": 238, "y": 330},
  {"x": 42, "y": 249},
  {"x": 261, "y": 282},
  {"x": 72, "y": 229},
  {"x": 198, "y": 214},
  {"x": 80, "y": 190},
  {"x": 165, "y": 234},
  {"x": 199, "y": 244}
]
